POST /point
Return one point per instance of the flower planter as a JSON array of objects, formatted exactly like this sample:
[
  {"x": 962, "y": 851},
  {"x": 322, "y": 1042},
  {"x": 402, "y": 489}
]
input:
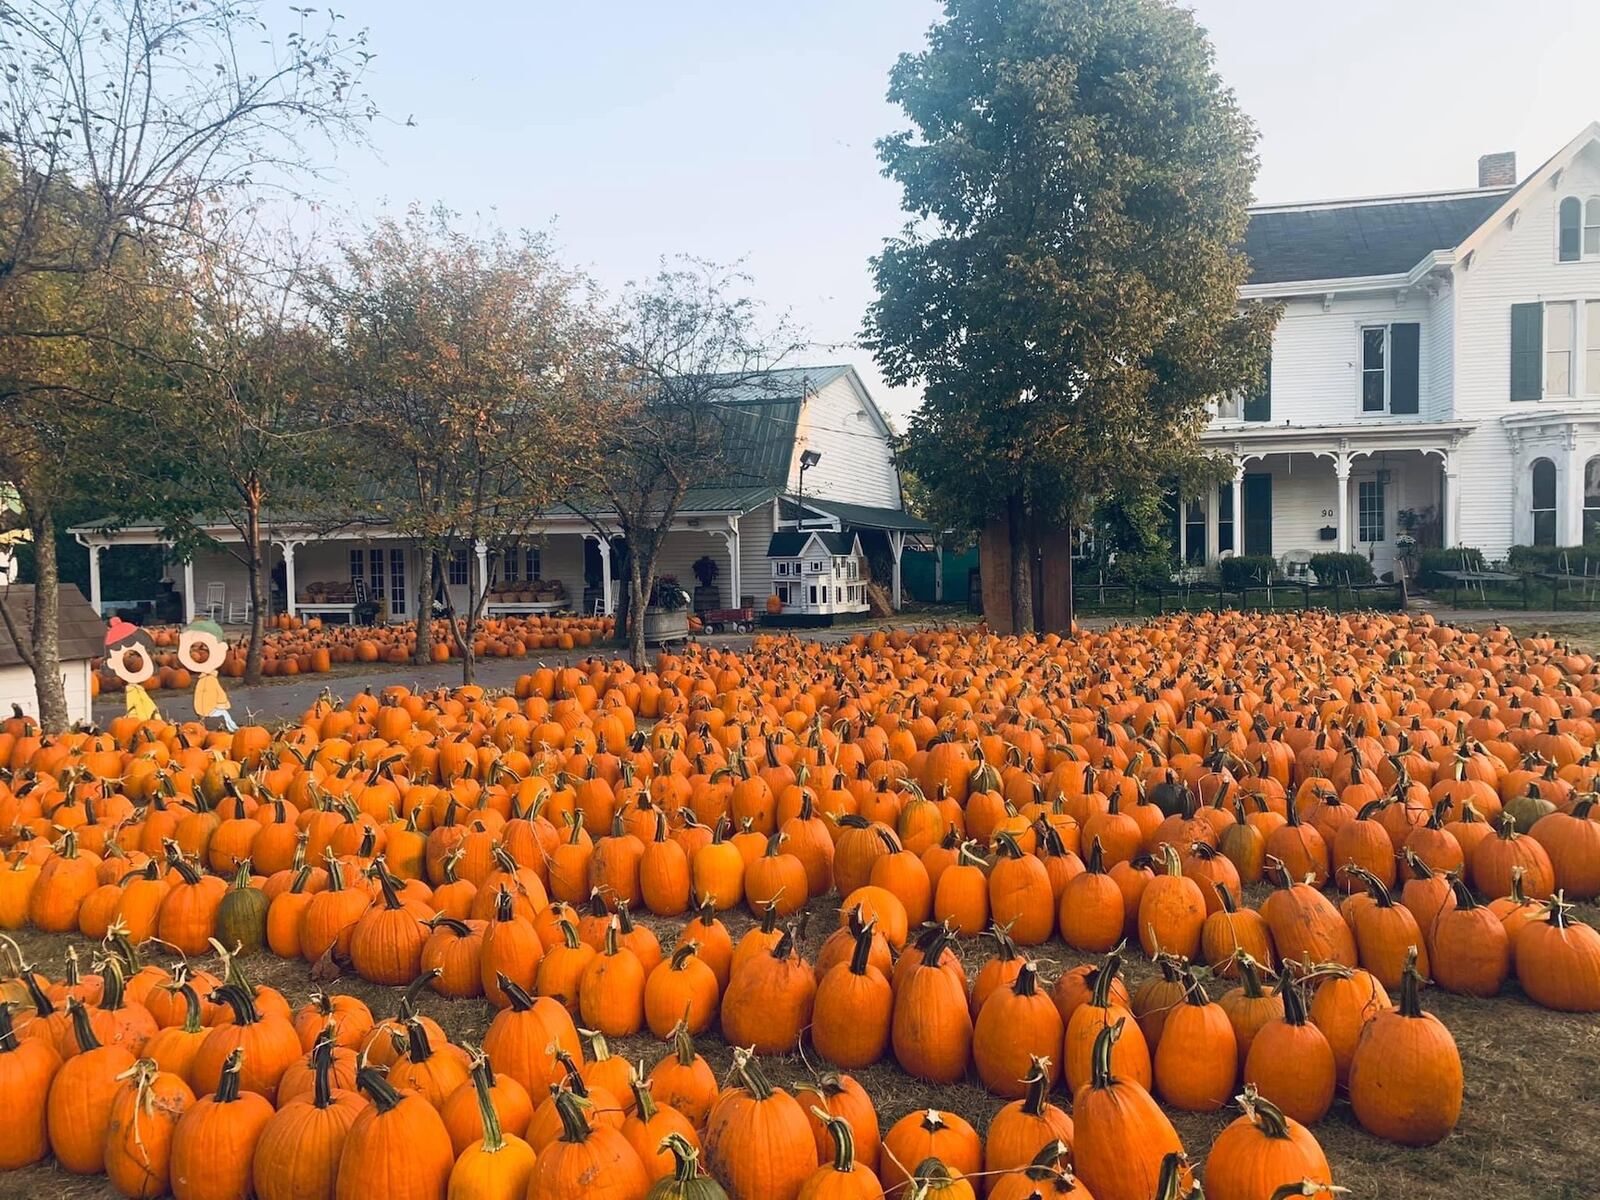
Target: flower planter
[{"x": 665, "y": 625}]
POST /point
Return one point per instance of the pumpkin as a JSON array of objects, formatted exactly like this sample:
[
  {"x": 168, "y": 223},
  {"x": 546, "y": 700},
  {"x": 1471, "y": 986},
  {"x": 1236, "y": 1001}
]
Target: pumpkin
[
  {"x": 1197, "y": 1059},
  {"x": 1024, "y": 1129},
  {"x": 1017, "y": 1027},
  {"x": 521, "y": 1038},
  {"x": 1261, "y": 1152},
  {"x": 214, "y": 1142},
  {"x": 1121, "y": 1136},
  {"x": 1290, "y": 1062},
  {"x": 397, "y": 1147},
  {"x": 920, "y": 1136},
  {"x": 1558, "y": 960},
  {"x": 931, "y": 1026},
  {"x": 1471, "y": 951},
  {"x": 687, "y": 1181},
  {"x": 757, "y": 1139},
  {"x": 770, "y": 998},
  {"x": 683, "y": 1079},
  {"x": 27, "y": 1068},
  {"x": 853, "y": 1007},
  {"x": 78, "y": 1107},
  {"x": 297, "y": 1154},
  {"x": 268, "y": 1041},
  {"x": 1405, "y": 1076},
  {"x": 498, "y": 1165},
  {"x": 144, "y": 1116}
]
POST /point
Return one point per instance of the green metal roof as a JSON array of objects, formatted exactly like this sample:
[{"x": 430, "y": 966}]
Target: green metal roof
[{"x": 865, "y": 516}]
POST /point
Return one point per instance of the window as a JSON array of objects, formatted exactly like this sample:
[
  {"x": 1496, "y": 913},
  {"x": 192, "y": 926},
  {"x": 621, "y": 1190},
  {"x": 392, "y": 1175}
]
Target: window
[
  {"x": 510, "y": 568},
  {"x": 375, "y": 574},
  {"x": 358, "y": 565},
  {"x": 1591, "y": 341},
  {"x": 1558, "y": 337},
  {"x": 532, "y": 564},
  {"x": 1194, "y": 531},
  {"x": 1569, "y": 225},
  {"x": 1369, "y": 510},
  {"x": 816, "y": 564},
  {"x": 397, "y": 580},
  {"x": 813, "y": 591},
  {"x": 1391, "y": 367},
  {"x": 1224, "y": 517},
  {"x": 838, "y": 595},
  {"x": 1591, "y": 502},
  {"x": 1591, "y": 228},
  {"x": 1544, "y": 502},
  {"x": 458, "y": 567},
  {"x": 783, "y": 592},
  {"x": 1258, "y": 404}
]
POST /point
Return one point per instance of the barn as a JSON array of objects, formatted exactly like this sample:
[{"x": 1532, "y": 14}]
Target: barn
[{"x": 82, "y": 637}]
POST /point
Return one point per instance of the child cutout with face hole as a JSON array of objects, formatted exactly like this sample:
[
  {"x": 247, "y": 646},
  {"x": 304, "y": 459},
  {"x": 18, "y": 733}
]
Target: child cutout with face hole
[
  {"x": 201, "y": 649},
  {"x": 130, "y": 655}
]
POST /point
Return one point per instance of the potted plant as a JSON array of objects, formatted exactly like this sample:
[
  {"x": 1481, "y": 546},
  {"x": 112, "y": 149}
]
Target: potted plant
[
  {"x": 707, "y": 597},
  {"x": 666, "y": 617}
]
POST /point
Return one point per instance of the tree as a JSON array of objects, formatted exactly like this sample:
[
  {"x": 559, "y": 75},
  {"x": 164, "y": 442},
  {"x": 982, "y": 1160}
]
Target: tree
[
  {"x": 682, "y": 343},
  {"x": 257, "y": 432},
  {"x": 1068, "y": 289},
  {"x": 117, "y": 117},
  {"x": 464, "y": 355}
]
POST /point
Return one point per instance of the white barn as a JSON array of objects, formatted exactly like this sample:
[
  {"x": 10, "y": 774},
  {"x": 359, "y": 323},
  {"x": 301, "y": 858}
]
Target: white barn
[
  {"x": 811, "y": 442},
  {"x": 1438, "y": 359},
  {"x": 82, "y": 637}
]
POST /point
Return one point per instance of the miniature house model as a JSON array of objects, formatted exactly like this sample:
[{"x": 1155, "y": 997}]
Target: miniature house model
[{"x": 817, "y": 572}]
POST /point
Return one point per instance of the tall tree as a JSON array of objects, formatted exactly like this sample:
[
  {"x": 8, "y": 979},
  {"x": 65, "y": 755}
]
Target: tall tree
[
  {"x": 463, "y": 355},
  {"x": 261, "y": 413},
  {"x": 682, "y": 343},
  {"x": 117, "y": 117},
  {"x": 1067, "y": 292}
]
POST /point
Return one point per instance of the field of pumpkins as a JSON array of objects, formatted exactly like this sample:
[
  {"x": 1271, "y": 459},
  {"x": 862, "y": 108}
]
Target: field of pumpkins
[
  {"x": 1262, "y": 905},
  {"x": 310, "y": 647}
]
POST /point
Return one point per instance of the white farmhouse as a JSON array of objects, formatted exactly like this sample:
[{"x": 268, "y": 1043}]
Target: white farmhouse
[
  {"x": 1437, "y": 361},
  {"x": 81, "y": 636}
]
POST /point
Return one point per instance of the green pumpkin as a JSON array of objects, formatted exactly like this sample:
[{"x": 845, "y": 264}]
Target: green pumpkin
[
  {"x": 1525, "y": 810},
  {"x": 686, "y": 1181},
  {"x": 242, "y": 917}
]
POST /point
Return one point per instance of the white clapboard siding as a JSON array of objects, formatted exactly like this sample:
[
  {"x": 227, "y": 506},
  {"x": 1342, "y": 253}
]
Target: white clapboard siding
[
  {"x": 857, "y": 463},
  {"x": 16, "y": 687}
]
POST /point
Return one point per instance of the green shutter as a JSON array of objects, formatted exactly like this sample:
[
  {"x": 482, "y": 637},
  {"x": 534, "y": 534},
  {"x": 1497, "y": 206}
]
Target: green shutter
[
  {"x": 1404, "y": 367},
  {"x": 1527, "y": 350},
  {"x": 1258, "y": 407}
]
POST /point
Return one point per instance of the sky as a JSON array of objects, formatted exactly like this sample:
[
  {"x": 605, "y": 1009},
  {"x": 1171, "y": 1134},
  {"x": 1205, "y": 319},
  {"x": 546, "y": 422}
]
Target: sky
[{"x": 743, "y": 130}]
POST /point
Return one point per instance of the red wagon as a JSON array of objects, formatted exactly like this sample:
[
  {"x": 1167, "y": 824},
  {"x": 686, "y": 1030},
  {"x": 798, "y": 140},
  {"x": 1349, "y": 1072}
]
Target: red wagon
[{"x": 729, "y": 620}]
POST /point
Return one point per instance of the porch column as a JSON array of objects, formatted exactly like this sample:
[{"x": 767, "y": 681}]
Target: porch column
[
  {"x": 1341, "y": 471},
  {"x": 1569, "y": 516},
  {"x": 605, "y": 576},
  {"x": 94, "y": 576},
  {"x": 1183, "y": 531},
  {"x": 1451, "y": 506},
  {"x": 481, "y": 549},
  {"x": 938, "y": 571},
  {"x": 288, "y": 577},
  {"x": 897, "y": 544},
  {"x": 188, "y": 591},
  {"x": 1238, "y": 507},
  {"x": 735, "y": 579}
]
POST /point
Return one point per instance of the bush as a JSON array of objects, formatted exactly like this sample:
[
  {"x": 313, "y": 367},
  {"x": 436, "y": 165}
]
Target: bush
[
  {"x": 1246, "y": 569},
  {"x": 1431, "y": 562},
  {"x": 1333, "y": 566}
]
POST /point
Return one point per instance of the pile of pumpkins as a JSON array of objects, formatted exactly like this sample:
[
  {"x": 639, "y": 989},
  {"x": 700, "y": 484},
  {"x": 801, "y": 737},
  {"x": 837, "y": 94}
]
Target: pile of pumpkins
[
  {"x": 293, "y": 646},
  {"x": 1417, "y": 801}
]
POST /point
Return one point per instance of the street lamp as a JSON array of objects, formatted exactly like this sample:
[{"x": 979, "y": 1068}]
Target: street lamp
[{"x": 808, "y": 459}]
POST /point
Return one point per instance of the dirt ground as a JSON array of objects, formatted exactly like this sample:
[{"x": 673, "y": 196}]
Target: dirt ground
[{"x": 1527, "y": 1131}]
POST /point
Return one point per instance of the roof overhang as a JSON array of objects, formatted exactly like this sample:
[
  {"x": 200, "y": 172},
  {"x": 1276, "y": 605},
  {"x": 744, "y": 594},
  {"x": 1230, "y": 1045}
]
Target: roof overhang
[{"x": 1245, "y": 442}]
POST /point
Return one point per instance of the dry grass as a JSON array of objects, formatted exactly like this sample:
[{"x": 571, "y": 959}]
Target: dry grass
[{"x": 1527, "y": 1129}]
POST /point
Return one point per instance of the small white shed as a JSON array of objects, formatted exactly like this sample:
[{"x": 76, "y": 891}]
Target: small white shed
[{"x": 82, "y": 638}]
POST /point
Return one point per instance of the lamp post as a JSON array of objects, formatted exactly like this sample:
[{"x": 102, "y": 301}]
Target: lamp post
[{"x": 808, "y": 459}]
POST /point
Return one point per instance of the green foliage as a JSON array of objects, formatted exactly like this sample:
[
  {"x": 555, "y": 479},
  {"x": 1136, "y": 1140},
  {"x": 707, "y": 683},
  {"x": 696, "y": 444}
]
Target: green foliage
[
  {"x": 1333, "y": 566},
  {"x": 1246, "y": 570},
  {"x": 1431, "y": 562},
  {"x": 1068, "y": 293}
]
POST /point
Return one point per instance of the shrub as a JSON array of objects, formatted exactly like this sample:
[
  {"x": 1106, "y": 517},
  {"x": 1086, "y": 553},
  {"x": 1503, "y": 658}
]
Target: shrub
[
  {"x": 1431, "y": 562},
  {"x": 1246, "y": 569},
  {"x": 1333, "y": 566}
]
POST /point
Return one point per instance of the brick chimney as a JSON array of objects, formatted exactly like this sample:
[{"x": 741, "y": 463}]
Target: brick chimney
[{"x": 1498, "y": 170}]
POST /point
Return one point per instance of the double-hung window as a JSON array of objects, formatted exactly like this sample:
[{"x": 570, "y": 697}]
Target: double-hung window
[{"x": 1391, "y": 368}]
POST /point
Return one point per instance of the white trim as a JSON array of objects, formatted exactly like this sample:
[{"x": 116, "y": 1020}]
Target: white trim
[
  {"x": 1552, "y": 167},
  {"x": 1364, "y": 201}
]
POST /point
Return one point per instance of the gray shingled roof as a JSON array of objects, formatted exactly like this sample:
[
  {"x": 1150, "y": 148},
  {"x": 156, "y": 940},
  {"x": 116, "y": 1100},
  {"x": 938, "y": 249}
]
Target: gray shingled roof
[
  {"x": 82, "y": 634},
  {"x": 1345, "y": 241},
  {"x": 785, "y": 544}
]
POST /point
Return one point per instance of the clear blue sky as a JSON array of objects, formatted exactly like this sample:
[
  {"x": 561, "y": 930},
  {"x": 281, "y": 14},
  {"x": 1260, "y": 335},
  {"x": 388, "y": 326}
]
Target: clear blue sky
[{"x": 744, "y": 128}]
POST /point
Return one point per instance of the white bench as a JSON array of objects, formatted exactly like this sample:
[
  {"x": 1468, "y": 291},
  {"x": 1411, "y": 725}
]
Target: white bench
[
  {"x": 498, "y": 608},
  {"x": 326, "y": 610}
]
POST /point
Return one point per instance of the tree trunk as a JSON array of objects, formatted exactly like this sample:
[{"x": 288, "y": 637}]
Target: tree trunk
[
  {"x": 1072, "y": 603},
  {"x": 620, "y": 619},
  {"x": 45, "y": 636},
  {"x": 1021, "y": 565},
  {"x": 255, "y": 569},
  {"x": 423, "y": 654},
  {"x": 636, "y": 599}
]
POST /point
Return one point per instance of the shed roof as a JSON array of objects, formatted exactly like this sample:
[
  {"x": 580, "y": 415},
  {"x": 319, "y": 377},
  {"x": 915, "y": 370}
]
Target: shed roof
[
  {"x": 82, "y": 634},
  {"x": 792, "y": 543},
  {"x": 867, "y": 516}
]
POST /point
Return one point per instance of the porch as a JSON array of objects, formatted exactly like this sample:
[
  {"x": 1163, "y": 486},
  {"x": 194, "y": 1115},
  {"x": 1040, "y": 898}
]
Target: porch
[{"x": 1299, "y": 491}]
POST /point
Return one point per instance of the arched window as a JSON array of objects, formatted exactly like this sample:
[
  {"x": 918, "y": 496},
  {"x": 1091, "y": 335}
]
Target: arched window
[
  {"x": 1591, "y": 228},
  {"x": 1569, "y": 224},
  {"x": 1544, "y": 502},
  {"x": 1591, "y": 502}
]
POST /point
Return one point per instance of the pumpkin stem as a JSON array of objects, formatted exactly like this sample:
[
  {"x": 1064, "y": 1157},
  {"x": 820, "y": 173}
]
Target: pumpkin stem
[
  {"x": 574, "y": 1123},
  {"x": 1100, "y": 1074},
  {"x": 1037, "y": 1098},
  {"x": 1410, "y": 987},
  {"x": 494, "y": 1139},
  {"x": 685, "y": 1161},
  {"x": 228, "y": 1085},
  {"x": 371, "y": 1081}
]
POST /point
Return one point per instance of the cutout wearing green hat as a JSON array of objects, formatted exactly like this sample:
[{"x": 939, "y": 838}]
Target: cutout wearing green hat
[{"x": 209, "y": 698}]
